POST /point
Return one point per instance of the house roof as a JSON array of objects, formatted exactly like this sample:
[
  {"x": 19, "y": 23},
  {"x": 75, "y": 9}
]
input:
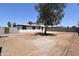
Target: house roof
[{"x": 29, "y": 25}]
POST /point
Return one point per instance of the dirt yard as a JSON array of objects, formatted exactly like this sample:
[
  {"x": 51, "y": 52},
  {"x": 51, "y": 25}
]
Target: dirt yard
[{"x": 36, "y": 44}]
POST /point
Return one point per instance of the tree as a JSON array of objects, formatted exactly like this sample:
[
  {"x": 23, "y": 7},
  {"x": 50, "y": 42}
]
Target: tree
[
  {"x": 14, "y": 24},
  {"x": 9, "y": 24},
  {"x": 30, "y": 22},
  {"x": 50, "y": 13}
]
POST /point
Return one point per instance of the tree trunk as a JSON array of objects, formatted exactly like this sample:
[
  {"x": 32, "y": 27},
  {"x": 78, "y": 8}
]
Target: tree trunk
[{"x": 45, "y": 30}]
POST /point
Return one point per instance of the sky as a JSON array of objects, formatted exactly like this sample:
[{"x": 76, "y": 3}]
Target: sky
[{"x": 23, "y": 13}]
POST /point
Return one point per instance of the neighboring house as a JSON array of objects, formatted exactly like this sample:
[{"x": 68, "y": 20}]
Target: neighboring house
[{"x": 62, "y": 29}]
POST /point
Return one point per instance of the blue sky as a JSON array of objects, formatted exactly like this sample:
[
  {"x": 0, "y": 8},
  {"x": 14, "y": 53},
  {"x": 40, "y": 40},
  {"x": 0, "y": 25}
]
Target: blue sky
[{"x": 22, "y": 13}]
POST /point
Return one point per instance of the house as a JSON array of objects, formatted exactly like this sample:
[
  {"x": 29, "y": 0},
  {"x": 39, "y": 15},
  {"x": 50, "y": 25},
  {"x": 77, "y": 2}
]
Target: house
[
  {"x": 49, "y": 28},
  {"x": 28, "y": 26}
]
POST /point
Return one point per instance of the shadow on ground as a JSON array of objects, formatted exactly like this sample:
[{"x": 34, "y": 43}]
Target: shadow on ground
[
  {"x": 42, "y": 34},
  {"x": 3, "y": 36},
  {"x": 0, "y": 50}
]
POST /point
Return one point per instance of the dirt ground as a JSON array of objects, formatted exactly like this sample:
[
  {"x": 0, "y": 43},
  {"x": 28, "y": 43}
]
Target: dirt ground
[{"x": 37, "y": 44}]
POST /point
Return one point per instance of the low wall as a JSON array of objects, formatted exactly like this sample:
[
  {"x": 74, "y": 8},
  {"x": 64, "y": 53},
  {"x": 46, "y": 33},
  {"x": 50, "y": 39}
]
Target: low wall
[
  {"x": 11, "y": 30},
  {"x": 1, "y": 30}
]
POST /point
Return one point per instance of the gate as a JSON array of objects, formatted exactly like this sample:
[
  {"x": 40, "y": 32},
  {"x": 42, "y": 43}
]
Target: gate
[{"x": 6, "y": 31}]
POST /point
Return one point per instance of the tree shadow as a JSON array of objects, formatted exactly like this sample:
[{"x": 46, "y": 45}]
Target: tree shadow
[
  {"x": 0, "y": 50},
  {"x": 3, "y": 36},
  {"x": 47, "y": 34}
]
